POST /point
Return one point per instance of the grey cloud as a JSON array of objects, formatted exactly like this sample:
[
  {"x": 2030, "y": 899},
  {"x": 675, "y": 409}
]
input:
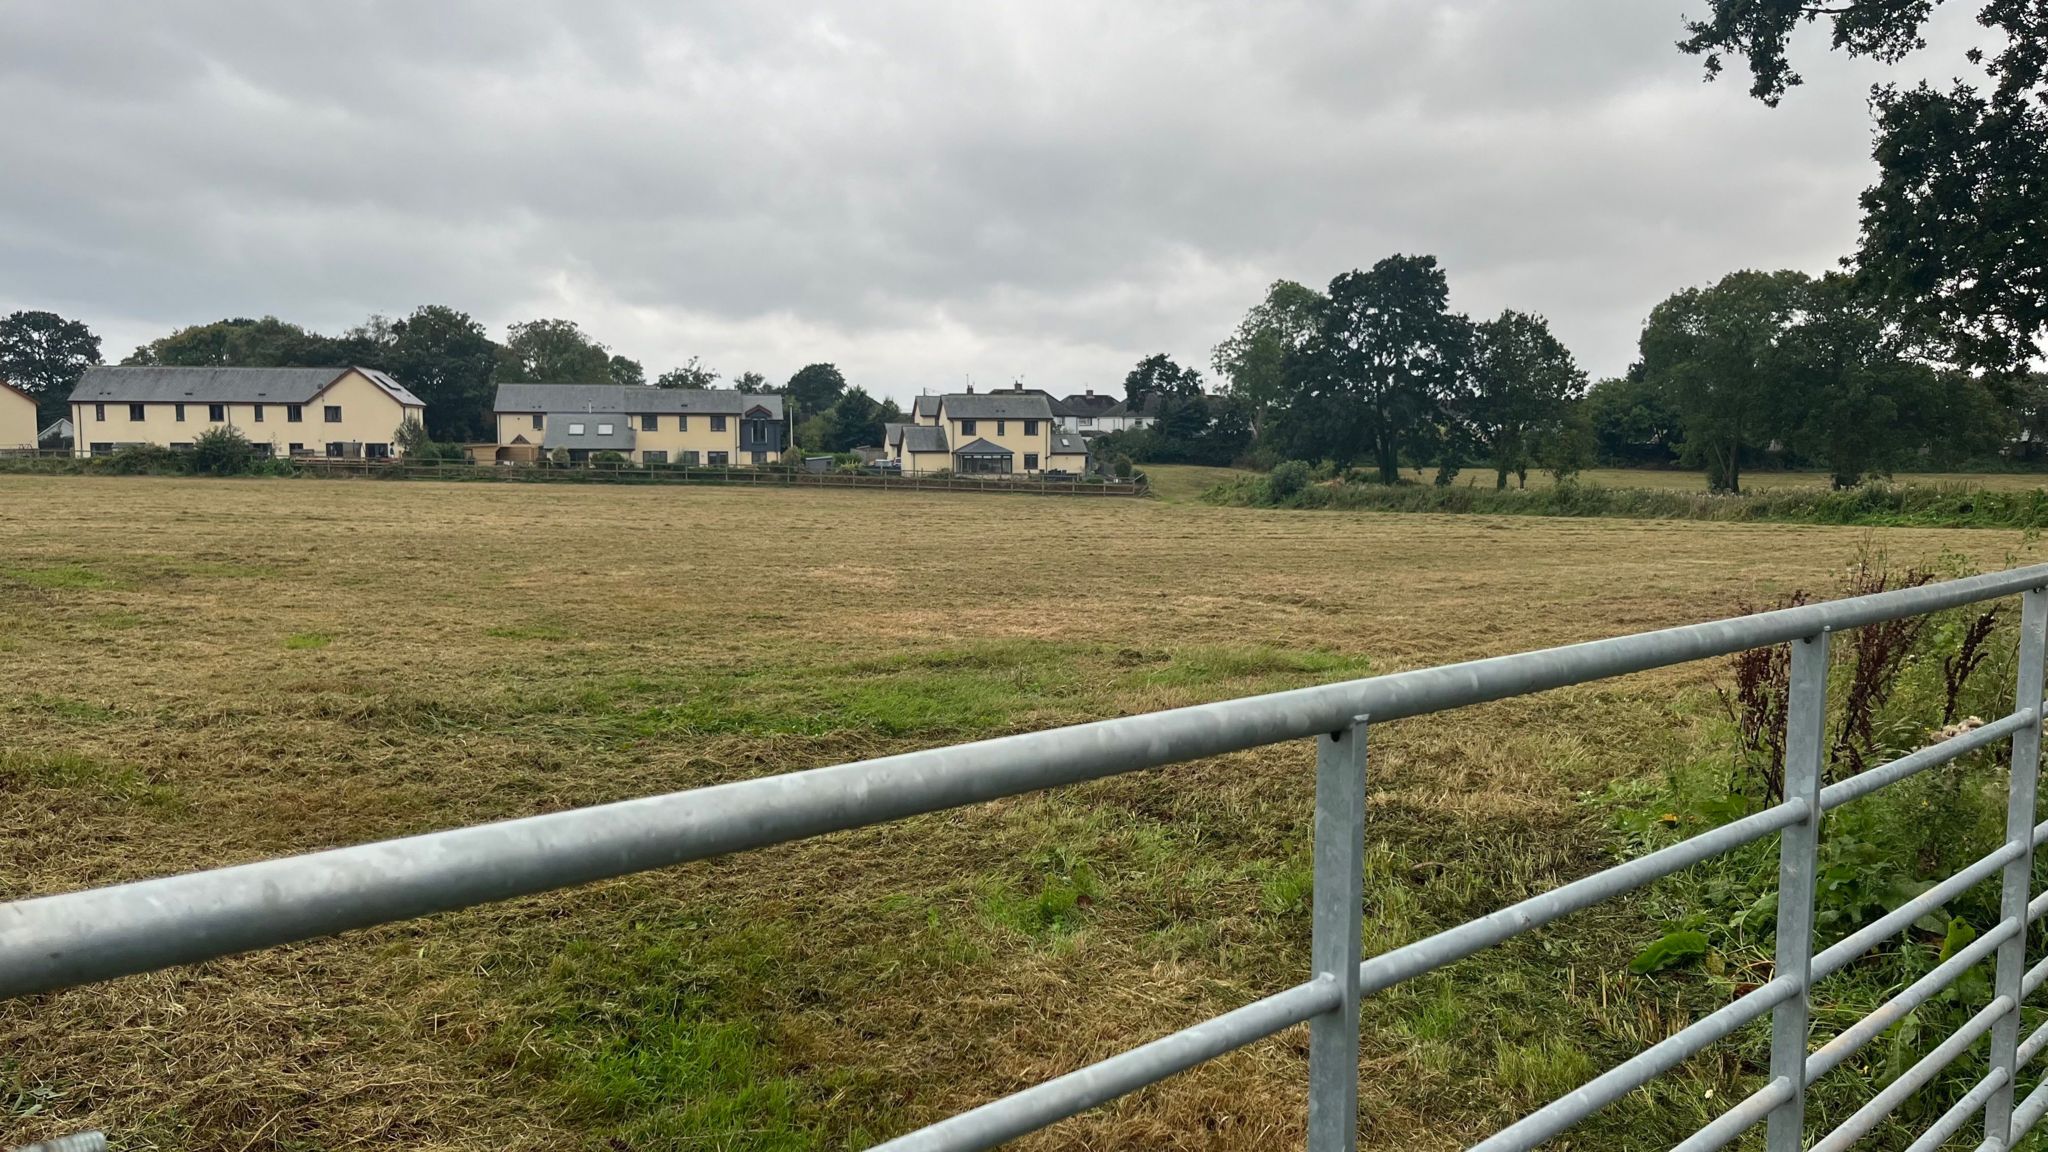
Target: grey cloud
[{"x": 918, "y": 192}]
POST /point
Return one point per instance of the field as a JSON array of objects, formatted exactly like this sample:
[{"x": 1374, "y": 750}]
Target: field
[{"x": 205, "y": 672}]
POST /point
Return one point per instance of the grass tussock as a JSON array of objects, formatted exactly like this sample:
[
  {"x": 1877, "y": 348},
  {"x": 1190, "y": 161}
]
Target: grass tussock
[{"x": 518, "y": 649}]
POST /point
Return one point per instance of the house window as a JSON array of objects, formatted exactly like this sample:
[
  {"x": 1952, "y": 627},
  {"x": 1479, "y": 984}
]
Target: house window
[
  {"x": 650, "y": 423},
  {"x": 333, "y": 414},
  {"x": 334, "y": 449},
  {"x": 683, "y": 424},
  {"x": 536, "y": 420},
  {"x": 604, "y": 429},
  {"x": 688, "y": 459},
  {"x": 295, "y": 449},
  {"x": 1086, "y": 422},
  {"x": 575, "y": 429},
  {"x": 718, "y": 459},
  {"x": 718, "y": 423},
  {"x": 102, "y": 448},
  {"x": 1031, "y": 427},
  {"x": 1031, "y": 461},
  {"x": 1002, "y": 427},
  {"x": 653, "y": 457},
  {"x": 967, "y": 427},
  {"x": 217, "y": 412},
  {"x": 99, "y": 411},
  {"x": 264, "y": 451},
  {"x": 294, "y": 413},
  {"x": 258, "y": 409},
  {"x": 135, "y": 412},
  {"x": 758, "y": 457},
  {"x": 760, "y": 433},
  {"x": 377, "y": 451},
  {"x": 181, "y": 414},
  {"x": 181, "y": 447}
]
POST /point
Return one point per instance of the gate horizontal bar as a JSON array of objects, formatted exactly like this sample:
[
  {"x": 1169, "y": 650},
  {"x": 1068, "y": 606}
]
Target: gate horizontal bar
[
  {"x": 1830, "y": 1055},
  {"x": 1077, "y": 1091},
  {"x": 1914, "y": 1078},
  {"x": 1839, "y": 955},
  {"x": 1746, "y": 1114},
  {"x": 1959, "y": 1113},
  {"x": 1454, "y": 944},
  {"x": 1884, "y": 775},
  {"x": 1637, "y": 1070}
]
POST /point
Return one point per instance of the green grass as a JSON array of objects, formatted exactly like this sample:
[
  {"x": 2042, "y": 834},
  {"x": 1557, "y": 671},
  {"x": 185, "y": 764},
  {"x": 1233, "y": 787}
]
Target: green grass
[{"x": 57, "y": 577}]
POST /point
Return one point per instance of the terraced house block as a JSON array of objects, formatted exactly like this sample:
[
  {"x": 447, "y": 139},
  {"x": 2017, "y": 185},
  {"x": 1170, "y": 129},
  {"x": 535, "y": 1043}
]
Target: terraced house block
[
  {"x": 340, "y": 413},
  {"x": 708, "y": 427}
]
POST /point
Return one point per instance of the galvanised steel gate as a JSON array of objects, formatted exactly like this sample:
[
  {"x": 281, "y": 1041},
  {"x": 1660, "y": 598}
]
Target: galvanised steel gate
[{"x": 58, "y": 941}]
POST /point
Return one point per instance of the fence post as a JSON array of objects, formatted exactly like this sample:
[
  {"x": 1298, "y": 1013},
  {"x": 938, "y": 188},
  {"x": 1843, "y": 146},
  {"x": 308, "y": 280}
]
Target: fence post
[
  {"x": 1806, "y": 713},
  {"x": 1339, "y": 913},
  {"x": 2019, "y": 829}
]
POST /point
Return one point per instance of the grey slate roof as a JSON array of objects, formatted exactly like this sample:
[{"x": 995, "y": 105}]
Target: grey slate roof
[
  {"x": 980, "y": 447},
  {"x": 1068, "y": 442},
  {"x": 925, "y": 406},
  {"x": 631, "y": 398},
  {"x": 1147, "y": 407},
  {"x": 143, "y": 384},
  {"x": 918, "y": 437},
  {"x": 1085, "y": 404},
  {"x": 996, "y": 406},
  {"x": 620, "y": 439}
]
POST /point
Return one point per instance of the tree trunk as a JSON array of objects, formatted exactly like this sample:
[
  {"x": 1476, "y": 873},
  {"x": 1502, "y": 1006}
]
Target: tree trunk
[{"x": 1500, "y": 477}]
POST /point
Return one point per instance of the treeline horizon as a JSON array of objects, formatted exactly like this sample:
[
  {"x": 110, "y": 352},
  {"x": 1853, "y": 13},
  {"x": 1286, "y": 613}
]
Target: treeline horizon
[{"x": 1377, "y": 375}]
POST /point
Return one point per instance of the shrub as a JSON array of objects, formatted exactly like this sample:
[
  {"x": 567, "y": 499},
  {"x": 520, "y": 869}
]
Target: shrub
[
  {"x": 146, "y": 460},
  {"x": 1288, "y": 478},
  {"x": 222, "y": 451}
]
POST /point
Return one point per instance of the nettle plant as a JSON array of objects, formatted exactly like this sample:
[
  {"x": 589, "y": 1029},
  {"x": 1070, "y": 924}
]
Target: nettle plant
[{"x": 1893, "y": 688}]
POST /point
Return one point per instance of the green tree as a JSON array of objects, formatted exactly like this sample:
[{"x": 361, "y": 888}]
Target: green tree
[
  {"x": 626, "y": 373},
  {"x": 1951, "y": 235},
  {"x": 1844, "y": 397},
  {"x": 1366, "y": 384},
  {"x": 449, "y": 361},
  {"x": 1716, "y": 354},
  {"x": 855, "y": 421},
  {"x": 43, "y": 354},
  {"x": 245, "y": 343},
  {"x": 1253, "y": 359},
  {"x": 747, "y": 383},
  {"x": 1158, "y": 375},
  {"x": 553, "y": 352},
  {"x": 694, "y": 376},
  {"x": 1524, "y": 381},
  {"x": 814, "y": 388},
  {"x": 1630, "y": 421}
]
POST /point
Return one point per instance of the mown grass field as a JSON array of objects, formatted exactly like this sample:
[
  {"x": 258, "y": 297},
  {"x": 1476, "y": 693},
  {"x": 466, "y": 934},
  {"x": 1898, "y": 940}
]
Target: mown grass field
[{"x": 198, "y": 673}]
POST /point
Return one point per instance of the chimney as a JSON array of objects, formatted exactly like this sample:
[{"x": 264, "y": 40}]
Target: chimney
[
  {"x": 1091, "y": 391},
  {"x": 970, "y": 389}
]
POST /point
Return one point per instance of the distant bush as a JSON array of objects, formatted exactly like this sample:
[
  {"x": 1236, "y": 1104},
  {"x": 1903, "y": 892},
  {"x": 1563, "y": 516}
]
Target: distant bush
[
  {"x": 222, "y": 451},
  {"x": 144, "y": 460},
  {"x": 1287, "y": 478}
]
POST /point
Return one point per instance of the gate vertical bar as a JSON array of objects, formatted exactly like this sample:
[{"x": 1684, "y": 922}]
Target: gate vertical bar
[
  {"x": 1806, "y": 711},
  {"x": 2019, "y": 829},
  {"x": 1339, "y": 903}
]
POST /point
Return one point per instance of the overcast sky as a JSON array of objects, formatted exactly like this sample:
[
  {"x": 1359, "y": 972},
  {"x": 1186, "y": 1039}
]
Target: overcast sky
[{"x": 921, "y": 193}]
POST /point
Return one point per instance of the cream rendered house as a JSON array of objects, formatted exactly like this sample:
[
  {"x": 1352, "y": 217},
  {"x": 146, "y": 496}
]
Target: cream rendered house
[
  {"x": 17, "y": 419},
  {"x": 347, "y": 413},
  {"x": 701, "y": 427},
  {"x": 985, "y": 433}
]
